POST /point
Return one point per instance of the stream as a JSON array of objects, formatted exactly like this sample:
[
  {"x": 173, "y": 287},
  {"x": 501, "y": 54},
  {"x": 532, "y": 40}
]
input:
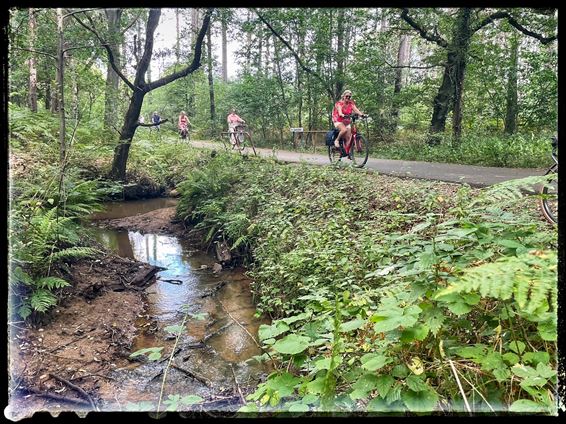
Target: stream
[{"x": 213, "y": 354}]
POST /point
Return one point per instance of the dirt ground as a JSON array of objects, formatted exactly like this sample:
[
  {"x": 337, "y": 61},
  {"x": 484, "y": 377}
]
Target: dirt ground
[{"x": 64, "y": 362}]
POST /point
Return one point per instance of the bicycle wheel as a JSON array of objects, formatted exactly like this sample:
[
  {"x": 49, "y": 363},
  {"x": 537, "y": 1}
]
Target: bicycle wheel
[
  {"x": 247, "y": 145},
  {"x": 549, "y": 198},
  {"x": 334, "y": 154},
  {"x": 359, "y": 152}
]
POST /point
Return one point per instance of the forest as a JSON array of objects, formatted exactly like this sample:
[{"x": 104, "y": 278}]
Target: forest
[{"x": 191, "y": 278}]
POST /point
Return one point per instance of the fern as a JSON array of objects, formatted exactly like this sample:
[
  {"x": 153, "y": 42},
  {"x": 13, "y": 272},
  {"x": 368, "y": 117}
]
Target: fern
[
  {"x": 76, "y": 252},
  {"x": 508, "y": 191},
  {"x": 51, "y": 283},
  {"x": 530, "y": 279},
  {"x": 41, "y": 300}
]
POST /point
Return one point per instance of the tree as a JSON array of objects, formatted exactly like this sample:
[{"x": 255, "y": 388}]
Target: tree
[
  {"x": 512, "y": 108},
  {"x": 32, "y": 62},
  {"x": 467, "y": 23},
  {"x": 139, "y": 86}
]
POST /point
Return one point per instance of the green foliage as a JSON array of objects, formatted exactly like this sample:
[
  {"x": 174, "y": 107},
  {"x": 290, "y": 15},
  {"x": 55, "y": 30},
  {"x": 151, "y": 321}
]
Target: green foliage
[{"x": 389, "y": 251}]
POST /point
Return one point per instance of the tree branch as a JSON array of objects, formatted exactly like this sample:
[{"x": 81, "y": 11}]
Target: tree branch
[
  {"x": 196, "y": 59},
  {"x": 435, "y": 38},
  {"x": 512, "y": 21},
  {"x": 104, "y": 44},
  {"x": 299, "y": 61}
]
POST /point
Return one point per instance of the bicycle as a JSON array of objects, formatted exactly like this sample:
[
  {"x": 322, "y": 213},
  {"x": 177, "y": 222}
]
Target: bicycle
[
  {"x": 549, "y": 191},
  {"x": 241, "y": 140},
  {"x": 184, "y": 132},
  {"x": 356, "y": 149}
]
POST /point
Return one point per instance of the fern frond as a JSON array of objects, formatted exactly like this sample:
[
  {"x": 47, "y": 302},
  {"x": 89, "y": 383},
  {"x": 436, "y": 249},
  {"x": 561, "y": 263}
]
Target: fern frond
[
  {"x": 76, "y": 252},
  {"x": 51, "y": 283},
  {"x": 41, "y": 300},
  {"x": 530, "y": 279}
]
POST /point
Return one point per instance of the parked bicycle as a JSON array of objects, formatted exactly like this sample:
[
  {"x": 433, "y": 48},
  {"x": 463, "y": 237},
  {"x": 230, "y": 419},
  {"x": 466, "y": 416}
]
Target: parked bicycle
[
  {"x": 549, "y": 191},
  {"x": 241, "y": 140},
  {"x": 356, "y": 149}
]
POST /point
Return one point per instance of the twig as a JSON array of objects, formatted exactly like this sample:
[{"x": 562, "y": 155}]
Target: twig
[
  {"x": 58, "y": 398},
  {"x": 192, "y": 375},
  {"x": 237, "y": 322},
  {"x": 221, "y": 329},
  {"x": 172, "y": 281},
  {"x": 76, "y": 388},
  {"x": 460, "y": 386},
  {"x": 246, "y": 330},
  {"x": 479, "y": 393},
  {"x": 237, "y": 385},
  {"x": 92, "y": 375}
]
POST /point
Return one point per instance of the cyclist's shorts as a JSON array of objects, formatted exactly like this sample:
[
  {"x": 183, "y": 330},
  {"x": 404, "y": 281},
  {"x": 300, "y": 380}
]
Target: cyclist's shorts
[{"x": 347, "y": 126}]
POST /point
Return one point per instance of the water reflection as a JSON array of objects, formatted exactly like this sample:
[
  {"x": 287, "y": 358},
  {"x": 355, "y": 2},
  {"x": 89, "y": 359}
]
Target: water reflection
[{"x": 113, "y": 210}]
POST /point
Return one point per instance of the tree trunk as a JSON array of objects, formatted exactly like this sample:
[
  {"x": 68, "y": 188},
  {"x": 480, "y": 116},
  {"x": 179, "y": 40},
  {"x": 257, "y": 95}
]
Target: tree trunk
[
  {"x": 453, "y": 78},
  {"x": 512, "y": 108},
  {"x": 112, "y": 79},
  {"x": 140, "y": 88},
  {"x": 340, "y": 53},
  {"x": 32, "y": 62},
  {"x": 462, "y": 45},
  {"x": 402, "y": 60},
  {"x": 60, "y": 87},
  {"x": 224, "y": 49},
  {"x": 211, "y": 81},
  {"x": 277, "y": 63},
  {"x": 178, "y": 37}
]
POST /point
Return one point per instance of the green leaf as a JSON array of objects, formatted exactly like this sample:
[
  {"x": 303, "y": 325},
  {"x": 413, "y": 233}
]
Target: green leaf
[
  {"x": 273, "y": 330},
  {"x": 383, "y": 384},
  {"x": 526, "y": 405},
  {"x": 291, "y": 344},
  {"x": 418, "y": 332},
  {"x": 377, "y": 405},
  {"x": 154, "y": 353},
  {"x": 548, "y": 330},
  {"x": 324, "y": 363},
  {"x": 374, "y": 361},
  {"x": 512, "y": 244},
  {"x": 299, "y": 407},
  {"x": 316, "y": 386},
  {"x": 365, "y": 384},
  {"x": 284, "y": 384},
  {"x": 416, "y": 384},
  {"x": 422, "y": 401},
  {"x": 351, "y": 325}
]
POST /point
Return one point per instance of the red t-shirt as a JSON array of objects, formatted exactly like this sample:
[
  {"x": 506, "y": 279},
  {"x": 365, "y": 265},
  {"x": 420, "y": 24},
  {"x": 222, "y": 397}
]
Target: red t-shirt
[
  {"x": 183, "y": 121},
  {"x": 347, "y": 108}
]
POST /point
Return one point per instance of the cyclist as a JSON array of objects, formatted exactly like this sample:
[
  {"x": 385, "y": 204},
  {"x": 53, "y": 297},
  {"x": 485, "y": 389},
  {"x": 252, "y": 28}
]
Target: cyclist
[
  {"x": 183, "y": 124},
  {"x": 233, "y": 122},
  {"x": 155, "y": 120},
  {"x": 344, "y": 106}
]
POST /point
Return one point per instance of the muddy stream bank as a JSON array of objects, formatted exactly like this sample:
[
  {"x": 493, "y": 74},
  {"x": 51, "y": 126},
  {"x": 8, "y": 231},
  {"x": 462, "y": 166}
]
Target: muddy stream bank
[{"x": 107, "y": 320}]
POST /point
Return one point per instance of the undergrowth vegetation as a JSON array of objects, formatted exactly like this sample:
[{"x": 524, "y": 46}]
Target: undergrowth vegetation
[
  {"x": 386, "y": 294},
  {"x": 517, "y": 151}
]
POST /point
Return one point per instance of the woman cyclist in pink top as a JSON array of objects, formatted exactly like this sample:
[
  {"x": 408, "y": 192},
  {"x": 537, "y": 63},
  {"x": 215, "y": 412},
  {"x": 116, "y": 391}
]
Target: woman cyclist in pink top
[
  {"x": 233, "y": 121},
  {"x": 344, "y": 106}
]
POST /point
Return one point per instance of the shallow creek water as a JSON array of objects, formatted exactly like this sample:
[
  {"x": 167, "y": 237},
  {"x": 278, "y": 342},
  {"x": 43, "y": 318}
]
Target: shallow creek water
[{"x": 217, "y": 348}]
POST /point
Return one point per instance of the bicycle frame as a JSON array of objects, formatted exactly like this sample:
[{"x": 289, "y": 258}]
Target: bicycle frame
[{"x": 354, "y": 131}]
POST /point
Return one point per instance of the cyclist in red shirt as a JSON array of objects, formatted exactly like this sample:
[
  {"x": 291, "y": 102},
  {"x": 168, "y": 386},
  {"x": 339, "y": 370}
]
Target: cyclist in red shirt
[
  {"x": 344, "y": 106},
  {"x": 183, "y": 124}
]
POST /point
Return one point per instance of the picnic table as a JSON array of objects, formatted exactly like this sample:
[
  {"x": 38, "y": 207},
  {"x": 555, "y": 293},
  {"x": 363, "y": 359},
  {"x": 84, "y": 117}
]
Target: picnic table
[{"x": 300, "y": 137}]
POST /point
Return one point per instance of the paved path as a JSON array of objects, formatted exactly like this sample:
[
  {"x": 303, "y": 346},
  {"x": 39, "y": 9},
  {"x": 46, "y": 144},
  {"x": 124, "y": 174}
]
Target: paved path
[{"x": 478, "y": 176}]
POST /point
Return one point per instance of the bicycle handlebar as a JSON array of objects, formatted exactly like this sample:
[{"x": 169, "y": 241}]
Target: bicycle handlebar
[{"x": 355, "y": 116}]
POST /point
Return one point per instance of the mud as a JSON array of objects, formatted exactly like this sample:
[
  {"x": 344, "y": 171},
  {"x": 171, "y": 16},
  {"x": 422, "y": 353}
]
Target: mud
[{"x": 80, "y": 359}]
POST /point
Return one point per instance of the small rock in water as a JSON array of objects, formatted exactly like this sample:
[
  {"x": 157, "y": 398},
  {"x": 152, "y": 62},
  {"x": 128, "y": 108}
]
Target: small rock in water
[
  {"x": 216, "y": 268},
  {"x": 203, "y": 266}
]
